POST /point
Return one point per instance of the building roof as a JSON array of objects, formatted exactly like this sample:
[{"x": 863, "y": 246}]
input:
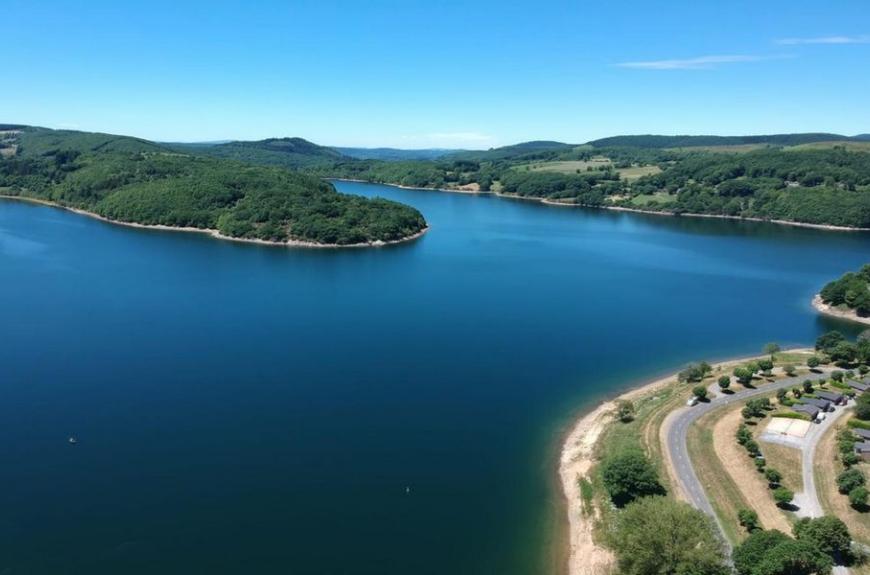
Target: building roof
[
  {"x": 863, "y": 433},
  {"x": 857, "y": 385},
  {"x": 818, "y": 402},
  {"x": 833, "y": 396},
  {"x": 863, "y": 447},
  {"x": 805, "y": 408}
]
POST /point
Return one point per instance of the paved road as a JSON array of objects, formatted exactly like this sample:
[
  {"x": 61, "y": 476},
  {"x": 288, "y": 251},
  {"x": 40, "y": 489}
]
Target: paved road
[{"x": 681, "y": 419}]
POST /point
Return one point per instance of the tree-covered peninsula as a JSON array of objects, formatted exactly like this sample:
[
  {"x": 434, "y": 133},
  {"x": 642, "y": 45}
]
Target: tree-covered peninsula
[
  {"x": 851, "y": 292},
  {"x": 135, "y": 181}
]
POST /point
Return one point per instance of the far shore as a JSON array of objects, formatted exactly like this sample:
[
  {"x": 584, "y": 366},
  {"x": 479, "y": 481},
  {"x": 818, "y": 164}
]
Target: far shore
[
  {"x": 612, "y": 208},
  {"x": 832, "y": 311},
  {"x": 215, "y": 233},
  {"x": 585, "y": 557}
]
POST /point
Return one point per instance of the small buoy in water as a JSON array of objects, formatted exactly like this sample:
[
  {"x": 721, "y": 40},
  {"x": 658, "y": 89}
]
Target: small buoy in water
[
  {"x": 73, "y": 440},
  {"x": 407, "y": 490}
]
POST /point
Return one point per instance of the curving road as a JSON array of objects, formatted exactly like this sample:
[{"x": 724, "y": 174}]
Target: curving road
[{"x": 678, "y": 423}]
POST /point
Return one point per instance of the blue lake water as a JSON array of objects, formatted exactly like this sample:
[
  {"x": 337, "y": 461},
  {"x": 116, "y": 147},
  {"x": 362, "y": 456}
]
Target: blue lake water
[{"x": 246, "y": 409}]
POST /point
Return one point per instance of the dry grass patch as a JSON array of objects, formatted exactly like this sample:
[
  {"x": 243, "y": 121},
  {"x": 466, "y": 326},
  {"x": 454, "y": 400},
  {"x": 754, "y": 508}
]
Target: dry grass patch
[
  {"x": 636, "y": 172},
  {"x": 786, "y": 460}
]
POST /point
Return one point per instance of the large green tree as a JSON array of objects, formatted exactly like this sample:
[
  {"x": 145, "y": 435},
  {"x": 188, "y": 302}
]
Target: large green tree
[
  {"x": 658, "y": 536},
  {"x": 629, "y": 475}
]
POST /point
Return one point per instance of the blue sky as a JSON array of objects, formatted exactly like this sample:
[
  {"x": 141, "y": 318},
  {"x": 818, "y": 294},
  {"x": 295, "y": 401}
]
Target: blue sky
[{"x": 436, "y": 74}]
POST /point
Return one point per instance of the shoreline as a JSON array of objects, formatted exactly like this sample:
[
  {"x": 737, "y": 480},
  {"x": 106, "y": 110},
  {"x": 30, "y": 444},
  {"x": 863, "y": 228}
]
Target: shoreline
[
  {"x": 831, "y": 311},
  {"x": 548, "y": 202},
  {"x": 215, "y": 233},
  {"x": 584, "y": 556}
]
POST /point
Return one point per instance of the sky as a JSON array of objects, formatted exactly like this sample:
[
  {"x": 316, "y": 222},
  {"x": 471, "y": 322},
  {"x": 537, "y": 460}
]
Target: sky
[{"x": 446, "y": 74}]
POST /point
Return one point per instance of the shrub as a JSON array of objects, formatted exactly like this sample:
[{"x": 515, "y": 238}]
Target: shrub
[
  {"x": 773, "y": 476},
  {"x": 748, "y": 520},
  {"x": 724, "y": 382},
  {"x": 858, "y": 497},
  {"x": 849, "y": 480},
  {"x": 782, "y": 496}
]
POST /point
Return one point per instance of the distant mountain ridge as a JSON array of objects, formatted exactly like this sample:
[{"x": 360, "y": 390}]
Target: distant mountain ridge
[
  {"x": 685, "y": 141},
  {"x": 285, "y": 152},
  {"x": 396, "y": 154}
]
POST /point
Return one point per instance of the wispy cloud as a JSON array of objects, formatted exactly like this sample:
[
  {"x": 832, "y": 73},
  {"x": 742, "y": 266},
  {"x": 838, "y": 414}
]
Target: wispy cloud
[
  {"x": 825, "y": 40},
  {"x": 699, "y": 63}
]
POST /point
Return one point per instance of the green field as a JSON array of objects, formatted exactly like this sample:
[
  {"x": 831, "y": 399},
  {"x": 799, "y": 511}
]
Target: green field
[{"x": 566, "y": 166}]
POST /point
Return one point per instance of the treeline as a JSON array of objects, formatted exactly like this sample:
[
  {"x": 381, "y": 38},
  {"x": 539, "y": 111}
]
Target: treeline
[
  {"x": 851, "y": 290},
  {"x": 135, "y": 181}
]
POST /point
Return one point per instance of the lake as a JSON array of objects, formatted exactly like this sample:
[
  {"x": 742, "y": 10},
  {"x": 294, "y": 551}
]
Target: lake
[{"x": 247, "y": 409}]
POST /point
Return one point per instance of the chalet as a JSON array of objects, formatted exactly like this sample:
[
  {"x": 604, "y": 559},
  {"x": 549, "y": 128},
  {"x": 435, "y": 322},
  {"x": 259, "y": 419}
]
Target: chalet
[
  {"x": 832, "y": 396},
  {"x": 822, "y": 404},
  {"x": 810, "y": 410},
  {"x": 863, "y": 450},
  {"x": 858, "y": 386},
  {"x": 862, "y": 433}
]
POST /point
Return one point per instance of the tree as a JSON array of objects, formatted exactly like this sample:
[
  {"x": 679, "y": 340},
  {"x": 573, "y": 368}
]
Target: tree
[
  {"x": 794, "y": 558},
  {"x": 700, "y": 391},
  {"x": 828, "y": 341},
  {"x": 775, "y": 553},
  {"x": 748, "y": 520},
  {"x": 813, "y": 362},
  {"x": 766, "y": 366},
  {"x": 828, "y": 534},
  {"x": 773, "y": 476},
  {"x": 844, "y": 352},
  {"x": 743, "y": 375},
  {"x": 862, "y": 410},
  {"x": 743, "y": 434},
  {"x": 657, "y": 535},
  {"x": 863, "y": 369},
  {"x": 782, "y": 496},
  {"x": 808, "y": 386},
  {"x": 858, "y": 498},
  {"x": 771, "y": 349},
  {"x": 789, "y": 370},
  {"x": 849, "y": 480},
  {"x": 796, "y": 392},
  {"x": 781, "y": 395},
  {"x": 752, "y": 447},
  {"x": 629, "y": 475},
  {"x": 724, "y": 382},
  {"x": 625, "y": 410},
  {"x": 837, "y": 375}
]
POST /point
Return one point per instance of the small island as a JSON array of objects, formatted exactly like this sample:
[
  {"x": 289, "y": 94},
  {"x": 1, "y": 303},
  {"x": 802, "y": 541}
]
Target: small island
[
  {"x": 136, "y": 182},
  {"x": 847, "y": 297},
  {"x": 743, "y": 464}
]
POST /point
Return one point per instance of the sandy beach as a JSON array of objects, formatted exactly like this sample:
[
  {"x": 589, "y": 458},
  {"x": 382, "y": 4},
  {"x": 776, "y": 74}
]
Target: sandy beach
[
  {"x": 215, "y": 233},
  {"x": 577, "y": 458},
  {"x": 826, "y": 309}
]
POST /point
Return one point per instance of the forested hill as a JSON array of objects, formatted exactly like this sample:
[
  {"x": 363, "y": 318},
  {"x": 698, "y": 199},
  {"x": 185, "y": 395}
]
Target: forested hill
[
  {"x": 654, "y": 141},
  {"x": 132, "y": 180},
  {"x": 284, "y": 152}
]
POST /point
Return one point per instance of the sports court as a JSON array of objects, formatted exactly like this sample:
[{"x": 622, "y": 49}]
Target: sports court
[{"x": 787, "y": 426}]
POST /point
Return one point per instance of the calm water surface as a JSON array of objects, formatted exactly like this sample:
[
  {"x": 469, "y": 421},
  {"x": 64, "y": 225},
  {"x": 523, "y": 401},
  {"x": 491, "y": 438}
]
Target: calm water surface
[{"x": 243, "y": 409}]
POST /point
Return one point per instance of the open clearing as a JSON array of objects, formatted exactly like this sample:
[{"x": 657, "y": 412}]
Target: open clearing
[
  {"x": 636, "y": 172},
  {"x": 567, "y": 166},
  {"x": 786, "y": 460},
  {"x": 788, "y": 426}
]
